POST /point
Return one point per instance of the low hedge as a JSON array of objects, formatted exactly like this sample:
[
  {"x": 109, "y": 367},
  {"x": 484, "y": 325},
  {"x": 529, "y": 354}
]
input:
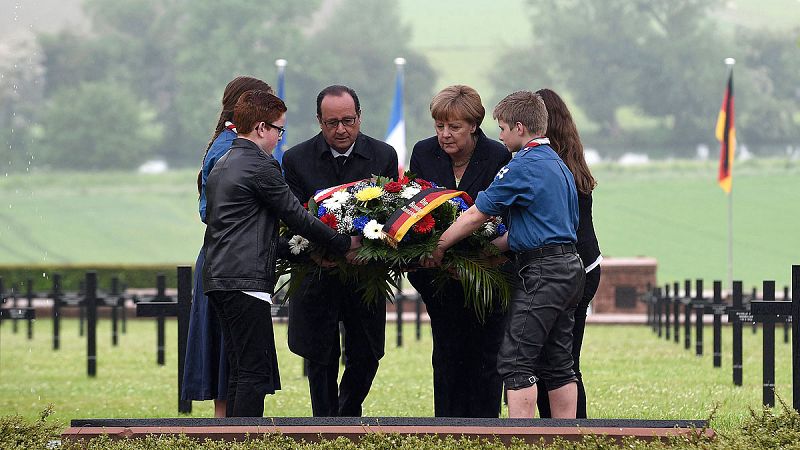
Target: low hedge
[
  {"x": 132, "y": 276},
  {"x": 763, "y": 430}
]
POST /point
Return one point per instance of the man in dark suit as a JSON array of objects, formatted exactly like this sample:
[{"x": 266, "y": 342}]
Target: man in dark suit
[{"x": 338, "y": 154}]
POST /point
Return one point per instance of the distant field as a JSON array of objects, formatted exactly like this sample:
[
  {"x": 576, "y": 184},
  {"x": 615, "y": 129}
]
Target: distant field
[
  {"x": 677, "y": 213},
  {"x": 463, "y": 39},
  {"x": 109, "y": 217},
  {"x": 673, "y": 211}
]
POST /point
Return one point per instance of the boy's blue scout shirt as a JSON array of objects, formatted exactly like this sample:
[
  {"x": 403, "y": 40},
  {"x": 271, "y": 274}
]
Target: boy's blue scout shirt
[{"x": 538, "y": 190}]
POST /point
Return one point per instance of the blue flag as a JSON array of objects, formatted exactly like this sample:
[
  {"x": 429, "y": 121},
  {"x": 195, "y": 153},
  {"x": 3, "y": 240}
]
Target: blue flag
[{"x": 278, "y": 152}]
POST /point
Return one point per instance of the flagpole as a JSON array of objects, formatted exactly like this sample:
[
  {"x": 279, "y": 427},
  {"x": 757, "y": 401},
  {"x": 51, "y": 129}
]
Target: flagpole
[
  {"x": 730, "y": 240},
  {"x": 400, "y": 63},
  {"x": 730, "y": 62},
  {"x": 281, "y": 65},
  {"x": 396, "y": 131}
]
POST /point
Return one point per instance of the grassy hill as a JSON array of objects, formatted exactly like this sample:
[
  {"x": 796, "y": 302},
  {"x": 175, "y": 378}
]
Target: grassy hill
[
  {"x": 463, "y": 39},
  {"x": 677, "y": 213},
  {"x": 99, "y": 217},
  {"x": 673, "y": 211}
]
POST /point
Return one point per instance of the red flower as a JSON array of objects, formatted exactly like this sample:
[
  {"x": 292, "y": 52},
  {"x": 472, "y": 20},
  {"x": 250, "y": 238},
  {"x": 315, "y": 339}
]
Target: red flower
[
  {"x": 329, "y": 220},
  {"x": 423, "y": 184},
  {"x": 467, "y": 199},
  {"x": 425, "y": 225},
  {"x": 393, "y": 187},
  {"x": 305, "y": 205},
  {"x": 403, "y": 180}
]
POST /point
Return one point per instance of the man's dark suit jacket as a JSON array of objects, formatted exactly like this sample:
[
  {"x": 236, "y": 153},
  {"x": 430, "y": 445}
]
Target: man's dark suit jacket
[{"x": 313, "y": 318}]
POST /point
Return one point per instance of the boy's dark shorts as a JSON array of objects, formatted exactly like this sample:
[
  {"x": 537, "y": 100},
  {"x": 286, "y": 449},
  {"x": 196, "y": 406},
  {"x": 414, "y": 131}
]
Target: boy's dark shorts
[{"x": 538, "y": 336}]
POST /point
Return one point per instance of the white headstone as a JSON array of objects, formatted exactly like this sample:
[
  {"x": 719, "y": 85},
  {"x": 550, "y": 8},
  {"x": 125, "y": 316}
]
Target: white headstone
[
  {"x": 702, "y": 152},
  {"x": 592, "y": 156},
  {"x": 633, "y": 159},
  {"x": 153, "y": 166}
]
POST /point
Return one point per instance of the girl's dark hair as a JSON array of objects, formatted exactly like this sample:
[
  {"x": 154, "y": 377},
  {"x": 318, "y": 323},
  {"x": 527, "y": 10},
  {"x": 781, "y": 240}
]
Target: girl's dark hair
[
  {"x": 565, "y": 140},
  {"x": 233, "y": 91}
]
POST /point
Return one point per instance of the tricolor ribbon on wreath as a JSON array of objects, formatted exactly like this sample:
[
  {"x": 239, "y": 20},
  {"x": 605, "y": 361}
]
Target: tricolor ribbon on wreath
[
  {"x": 407, "y": 215},
  {"x": 325, "y": 193},
  {"x": 415, "y": 209},
  {"x": 401, "y": 221}
]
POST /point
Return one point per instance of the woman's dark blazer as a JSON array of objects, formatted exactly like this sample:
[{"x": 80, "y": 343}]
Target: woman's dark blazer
[{"x": 430, "y": 162}]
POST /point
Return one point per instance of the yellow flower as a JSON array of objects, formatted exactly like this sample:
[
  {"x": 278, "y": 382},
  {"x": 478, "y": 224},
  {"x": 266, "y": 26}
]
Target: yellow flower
[{"x": 369, "y": 193}]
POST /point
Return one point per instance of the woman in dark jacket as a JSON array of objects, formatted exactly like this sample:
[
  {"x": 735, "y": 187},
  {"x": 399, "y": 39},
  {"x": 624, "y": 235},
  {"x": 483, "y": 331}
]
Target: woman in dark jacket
[
  {"x": 205, "y": 372},
  {"x": 566, "y": 142},
  {"x": 460, "y": 156}
]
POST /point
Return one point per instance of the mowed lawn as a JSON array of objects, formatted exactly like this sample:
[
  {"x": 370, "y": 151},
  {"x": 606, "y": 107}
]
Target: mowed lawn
[
  {"x": 74, "y": 217},
  {"x": 673, "y": 211},
  {"x": 629, "y": 373},
  {"x": 677, "y": 213}
]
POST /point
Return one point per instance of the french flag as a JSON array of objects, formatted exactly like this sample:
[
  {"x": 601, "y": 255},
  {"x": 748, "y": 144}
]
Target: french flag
[
  {"x": 396, "y": 133},
  {"x": 281, "y": 64}
]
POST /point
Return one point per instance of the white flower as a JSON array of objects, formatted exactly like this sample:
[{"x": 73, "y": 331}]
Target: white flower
[
  {"x": 297, "y": 244},
  {"x": 489, "y": 229},
  {"x": 409, "y": 192},
  {"x": 341, "y": 196},
  {"x": 345, "y": 224},
  {"x": 373, "y": 230},
  {"x": 390, "y": 197},
  {"x": 332, "y": 203}
]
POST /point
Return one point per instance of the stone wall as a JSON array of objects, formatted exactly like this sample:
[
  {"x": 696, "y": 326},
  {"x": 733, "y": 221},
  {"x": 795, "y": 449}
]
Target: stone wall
[{"x": 622, "y": 283}]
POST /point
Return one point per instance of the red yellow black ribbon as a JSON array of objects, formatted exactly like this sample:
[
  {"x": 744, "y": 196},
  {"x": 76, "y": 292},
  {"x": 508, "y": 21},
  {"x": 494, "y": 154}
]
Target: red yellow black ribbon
[{"x": 415, "y": 209}]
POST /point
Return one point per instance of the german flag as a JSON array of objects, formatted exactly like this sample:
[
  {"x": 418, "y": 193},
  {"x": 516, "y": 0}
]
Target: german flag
[{"x": 726, "y": 135}]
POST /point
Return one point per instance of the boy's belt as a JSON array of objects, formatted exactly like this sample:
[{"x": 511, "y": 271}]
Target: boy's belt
[{"x": 544, "y": 251}]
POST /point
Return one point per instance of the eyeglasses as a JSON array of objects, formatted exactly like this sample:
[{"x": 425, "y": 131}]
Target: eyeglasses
[
  {"x": 281, "y": 130},
  {"x": 346, "y": 121}
]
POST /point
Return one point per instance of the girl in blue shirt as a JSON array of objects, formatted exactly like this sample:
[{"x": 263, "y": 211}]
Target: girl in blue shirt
[{"x": 205, "y": 375}]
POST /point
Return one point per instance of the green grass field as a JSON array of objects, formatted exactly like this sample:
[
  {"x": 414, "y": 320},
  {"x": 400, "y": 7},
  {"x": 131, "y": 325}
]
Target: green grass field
[
  {"x": 677, "y": 213},
  {"x": 629, "y": 373},
  {"x": 673, "y": 211},
  {"x": 99, "y": 217}
]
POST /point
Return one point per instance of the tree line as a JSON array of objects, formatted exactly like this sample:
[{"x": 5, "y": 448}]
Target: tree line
[
  {"x": 662, "y": 61},
  {"x": 147, "y": 78}
]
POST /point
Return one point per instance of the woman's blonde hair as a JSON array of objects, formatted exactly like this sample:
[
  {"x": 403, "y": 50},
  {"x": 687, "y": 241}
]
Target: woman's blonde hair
[{"x": 458, "y": 102}]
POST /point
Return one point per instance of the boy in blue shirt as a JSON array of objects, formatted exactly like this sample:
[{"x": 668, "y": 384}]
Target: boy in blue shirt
[{"x": 538, "y": 192}]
